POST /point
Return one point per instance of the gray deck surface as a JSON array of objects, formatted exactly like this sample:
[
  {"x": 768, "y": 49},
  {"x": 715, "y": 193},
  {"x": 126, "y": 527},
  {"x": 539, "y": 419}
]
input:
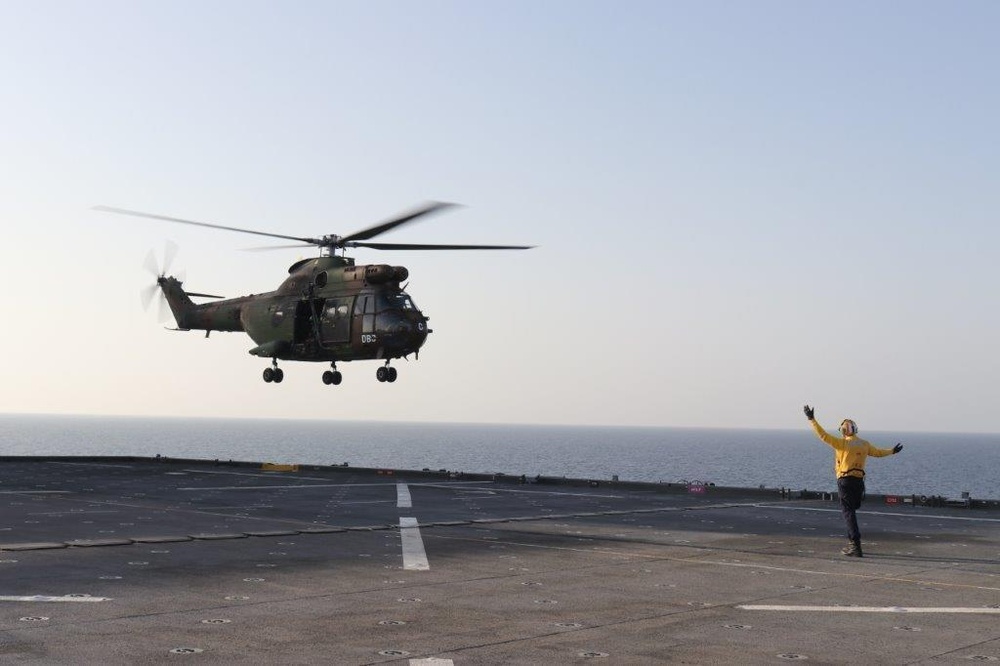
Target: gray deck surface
[{"x": 134, "y": 562}]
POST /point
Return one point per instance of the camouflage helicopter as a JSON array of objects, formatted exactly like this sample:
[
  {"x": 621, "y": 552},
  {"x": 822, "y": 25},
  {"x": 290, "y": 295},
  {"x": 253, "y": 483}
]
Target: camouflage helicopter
[{"x": 327, "y": 310}]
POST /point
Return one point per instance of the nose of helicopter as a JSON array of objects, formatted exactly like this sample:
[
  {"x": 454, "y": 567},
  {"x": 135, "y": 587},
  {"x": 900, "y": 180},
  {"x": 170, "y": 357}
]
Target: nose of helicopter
[
  {"x": 406, "y": 332},
  {"x": 420, "y": 331},
  {"x": 414, "y": 330}
]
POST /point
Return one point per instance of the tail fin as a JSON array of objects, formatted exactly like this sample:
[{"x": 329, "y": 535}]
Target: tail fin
[{"x": 180, "y": 303}]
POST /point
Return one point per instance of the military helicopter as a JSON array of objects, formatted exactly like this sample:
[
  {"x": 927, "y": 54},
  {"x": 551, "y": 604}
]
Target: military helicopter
[{"x": 327, "y": 310}]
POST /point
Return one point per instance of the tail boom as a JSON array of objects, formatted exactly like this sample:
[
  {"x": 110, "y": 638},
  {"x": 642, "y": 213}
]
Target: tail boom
[{"x": 221, "y": 315}]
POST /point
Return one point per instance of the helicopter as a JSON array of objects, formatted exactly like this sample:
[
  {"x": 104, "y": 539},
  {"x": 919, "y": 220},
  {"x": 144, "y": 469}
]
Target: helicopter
[{"x": 328, "y": 309}]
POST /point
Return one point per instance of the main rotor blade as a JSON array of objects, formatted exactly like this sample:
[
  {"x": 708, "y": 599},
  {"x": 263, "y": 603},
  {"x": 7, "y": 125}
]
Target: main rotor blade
[
  {"x": 274, "y": 247},
  {"x": 412, "y": 246},
  {"x": 136, "y": 213},
  {"x": 404, "y": 218}
]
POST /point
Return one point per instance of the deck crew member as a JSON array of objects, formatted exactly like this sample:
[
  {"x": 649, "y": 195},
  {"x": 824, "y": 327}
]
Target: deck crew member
[{"x": 851, "y": 452}]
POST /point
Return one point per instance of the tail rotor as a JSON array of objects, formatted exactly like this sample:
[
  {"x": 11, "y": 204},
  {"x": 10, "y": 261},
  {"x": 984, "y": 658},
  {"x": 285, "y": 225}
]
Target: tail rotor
[{"x": 159, "y": 272}]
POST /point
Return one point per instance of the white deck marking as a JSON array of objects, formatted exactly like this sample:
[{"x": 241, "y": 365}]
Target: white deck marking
[
  {"x": 296, "y": 475},
  {"x": 269, "y": 475},
  {"x": 305, "y": 485},
  {"x": 39, "y": 597},
  {"x": 739, "y": 565},
  {"x": 414, "y": 556},
  {"x": 299, "y": 486},
  {"x": 431, "y": 661},
  {"x": 540, "y": 493},
  {"x": 881, "y": 513},
  {"x": 876, "y": 609},
  {"x": 403, "y": 500},
  {"x": 73, "y": 512}
]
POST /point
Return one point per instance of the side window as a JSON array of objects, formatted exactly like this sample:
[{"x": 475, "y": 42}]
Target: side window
[
  {"x": 336, "y": 320},
  {"x": 364, "y": 307},
  {"x": 335, "y": 311}
]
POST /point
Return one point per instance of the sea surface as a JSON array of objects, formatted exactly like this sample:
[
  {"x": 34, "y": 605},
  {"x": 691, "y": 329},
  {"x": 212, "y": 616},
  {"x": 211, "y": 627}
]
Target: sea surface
[{"x": 930, "y": 464}]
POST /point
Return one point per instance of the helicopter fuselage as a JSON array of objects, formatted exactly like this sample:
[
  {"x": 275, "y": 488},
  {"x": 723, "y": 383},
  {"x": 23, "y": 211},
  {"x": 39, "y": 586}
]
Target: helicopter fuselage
[{"x": 328, "y": 309}]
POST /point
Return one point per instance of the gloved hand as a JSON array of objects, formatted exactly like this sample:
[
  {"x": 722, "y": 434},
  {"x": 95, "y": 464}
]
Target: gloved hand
[
  {"x": 897, "y": 448},
  {"x": 809, "y": 412}
]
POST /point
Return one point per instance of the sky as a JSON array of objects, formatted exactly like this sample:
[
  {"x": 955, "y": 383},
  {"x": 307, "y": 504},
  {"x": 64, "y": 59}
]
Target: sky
[{"x": 737, "y": 208}]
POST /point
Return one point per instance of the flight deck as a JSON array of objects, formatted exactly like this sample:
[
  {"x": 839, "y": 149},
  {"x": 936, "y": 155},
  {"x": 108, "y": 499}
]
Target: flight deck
[{"x": 140, "y": 560}]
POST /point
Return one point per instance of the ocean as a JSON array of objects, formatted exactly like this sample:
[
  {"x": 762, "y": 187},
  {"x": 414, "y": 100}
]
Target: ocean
[{"x": 930, "y": 464}]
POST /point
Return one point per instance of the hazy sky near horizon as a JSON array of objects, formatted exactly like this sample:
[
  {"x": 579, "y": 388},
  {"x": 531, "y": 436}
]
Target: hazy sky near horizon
[{"x": 738, "y": 207}]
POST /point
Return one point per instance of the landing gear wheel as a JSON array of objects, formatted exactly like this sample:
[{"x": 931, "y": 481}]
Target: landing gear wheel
[
  {"x": 274, "y": 373},
  {"x": 382, "y": 374},
  {"x": 392, "y": 375},
  {"x": 332, "y": 376}
]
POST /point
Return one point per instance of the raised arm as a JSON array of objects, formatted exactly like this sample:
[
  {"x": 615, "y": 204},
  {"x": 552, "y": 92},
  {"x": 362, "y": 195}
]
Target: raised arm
[{"x": 824, "y": 436}]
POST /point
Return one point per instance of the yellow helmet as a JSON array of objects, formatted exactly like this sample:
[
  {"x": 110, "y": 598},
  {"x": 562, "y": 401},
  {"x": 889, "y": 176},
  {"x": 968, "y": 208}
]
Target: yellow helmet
[{"x": 848, "y": 428}]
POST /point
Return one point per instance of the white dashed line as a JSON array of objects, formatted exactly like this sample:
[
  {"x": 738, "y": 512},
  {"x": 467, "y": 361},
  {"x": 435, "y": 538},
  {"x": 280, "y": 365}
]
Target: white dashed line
[
  {"x": 403, "y": 500},
  {"x": 414, "y": 556}
]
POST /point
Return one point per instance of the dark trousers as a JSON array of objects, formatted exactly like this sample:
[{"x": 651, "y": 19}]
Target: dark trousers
[{"x": 851, "y": 490}]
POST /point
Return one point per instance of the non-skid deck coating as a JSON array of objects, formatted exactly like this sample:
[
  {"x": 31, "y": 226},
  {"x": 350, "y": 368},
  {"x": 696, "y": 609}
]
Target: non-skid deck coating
[{"x": 128, "y": 562}]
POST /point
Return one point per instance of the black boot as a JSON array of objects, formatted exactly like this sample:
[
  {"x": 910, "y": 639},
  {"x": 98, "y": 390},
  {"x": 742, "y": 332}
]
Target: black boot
[{"x": 853, "y": 549}]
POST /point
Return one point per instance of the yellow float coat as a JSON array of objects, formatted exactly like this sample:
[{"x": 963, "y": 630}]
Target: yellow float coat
[{"x": 850, "y": 452}]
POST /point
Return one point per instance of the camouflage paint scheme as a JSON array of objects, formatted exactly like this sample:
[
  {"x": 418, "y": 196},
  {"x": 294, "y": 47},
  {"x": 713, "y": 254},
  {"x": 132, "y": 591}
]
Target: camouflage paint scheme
[{"x": 328, "y": 309}]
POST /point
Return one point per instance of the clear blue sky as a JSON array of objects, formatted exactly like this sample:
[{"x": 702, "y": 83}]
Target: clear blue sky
[{"x": 739, "y": 207}]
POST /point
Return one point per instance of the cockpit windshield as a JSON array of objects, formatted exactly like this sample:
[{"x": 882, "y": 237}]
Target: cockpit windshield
[{"x": 396, "y": 301}]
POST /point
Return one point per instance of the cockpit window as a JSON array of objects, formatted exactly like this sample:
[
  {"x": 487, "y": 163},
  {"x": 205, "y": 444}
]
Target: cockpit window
[{"x": 396, "y": 301}]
